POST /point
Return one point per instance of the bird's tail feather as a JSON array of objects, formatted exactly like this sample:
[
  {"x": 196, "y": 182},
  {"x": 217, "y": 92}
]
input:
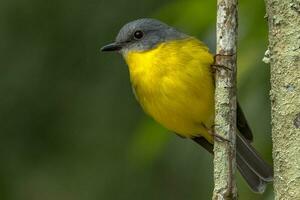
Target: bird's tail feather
[{"x": 251, "y": 166}]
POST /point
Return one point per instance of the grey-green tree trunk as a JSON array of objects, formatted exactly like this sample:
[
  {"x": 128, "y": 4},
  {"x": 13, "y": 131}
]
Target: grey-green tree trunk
[
  {"x": 284, "y": 58},
  {"x": 225, "y": 105}
]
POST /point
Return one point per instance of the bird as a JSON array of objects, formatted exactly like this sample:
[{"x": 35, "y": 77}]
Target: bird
[{"x": 172, "y": 78}]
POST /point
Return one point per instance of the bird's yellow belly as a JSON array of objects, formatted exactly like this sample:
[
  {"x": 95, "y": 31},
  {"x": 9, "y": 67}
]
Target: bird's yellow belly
[
  {"x": 181, "y": 98},
  {"x": 180, "y": 107}
]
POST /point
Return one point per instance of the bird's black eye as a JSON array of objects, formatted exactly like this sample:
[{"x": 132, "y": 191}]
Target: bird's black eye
[{"x": 138, "y": 35}]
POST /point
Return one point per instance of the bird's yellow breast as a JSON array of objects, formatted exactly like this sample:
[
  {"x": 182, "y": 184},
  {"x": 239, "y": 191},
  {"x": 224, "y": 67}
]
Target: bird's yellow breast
[{"x": 174, "y": 84}]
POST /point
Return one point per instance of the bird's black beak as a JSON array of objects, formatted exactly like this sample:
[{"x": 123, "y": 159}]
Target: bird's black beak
[{"x": 112, "y": 47}]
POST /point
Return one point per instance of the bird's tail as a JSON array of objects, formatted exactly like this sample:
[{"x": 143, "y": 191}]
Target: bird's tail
[{"x": 252, "y": 167}]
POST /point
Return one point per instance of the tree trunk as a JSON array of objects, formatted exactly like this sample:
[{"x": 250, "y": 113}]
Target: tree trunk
[
  {"x": 284, "y": 58},
  {"x": 225, "y": 105}
]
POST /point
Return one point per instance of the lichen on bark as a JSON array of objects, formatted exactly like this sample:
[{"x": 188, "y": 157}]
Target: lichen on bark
[
  {"x": 284, "y": 54},
  {"x": 225, "y": 105}
]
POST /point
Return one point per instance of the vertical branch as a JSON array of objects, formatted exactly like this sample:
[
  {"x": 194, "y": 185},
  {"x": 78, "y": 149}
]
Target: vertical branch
[
  {"x": 225, "y": 105},
  {"x": 284, "y": 57}
]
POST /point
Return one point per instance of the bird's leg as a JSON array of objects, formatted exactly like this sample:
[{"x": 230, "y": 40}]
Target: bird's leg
[
  {"x": 217, "y": 67},
  {"x": 222, "y": 55},
  {"x": 215, "y": 135}
]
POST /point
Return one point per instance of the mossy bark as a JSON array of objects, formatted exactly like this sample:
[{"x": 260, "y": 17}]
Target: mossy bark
[
  {"x": 225, "y": 105},
  {"x": 284, "y": 58}
]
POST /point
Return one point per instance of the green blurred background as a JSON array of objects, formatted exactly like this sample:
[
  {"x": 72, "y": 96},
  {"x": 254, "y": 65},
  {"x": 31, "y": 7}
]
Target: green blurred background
[{"x": 70, "y": 126}]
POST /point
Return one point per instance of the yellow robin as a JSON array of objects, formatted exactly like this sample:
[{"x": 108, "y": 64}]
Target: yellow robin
[{"x": 172, "y": 79}]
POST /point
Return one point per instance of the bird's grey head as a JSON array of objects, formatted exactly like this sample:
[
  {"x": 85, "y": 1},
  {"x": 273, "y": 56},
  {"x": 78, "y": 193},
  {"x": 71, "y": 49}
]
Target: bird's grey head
[{"x": 143, "y": 35}]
